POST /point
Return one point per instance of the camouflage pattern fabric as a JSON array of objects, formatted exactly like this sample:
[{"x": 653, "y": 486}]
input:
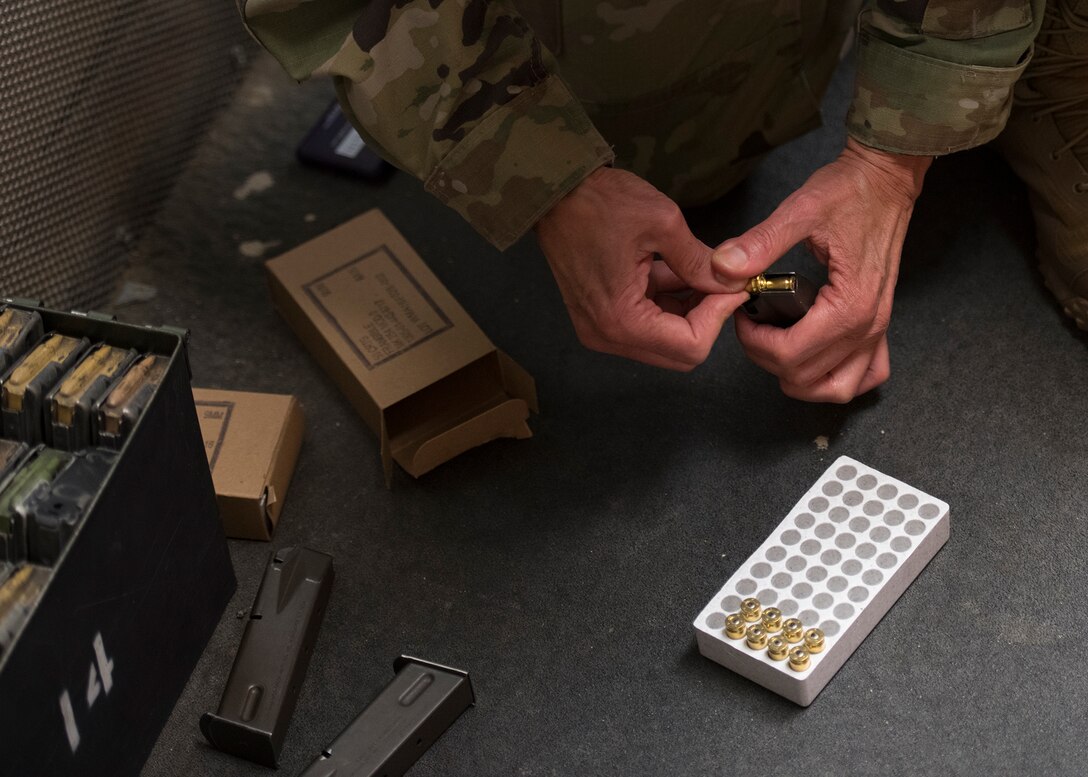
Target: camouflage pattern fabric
[
  {"x": 500, "y": 118},
  {"x": 693, "y": 93},
  {"x": 936, "y": 76},
  {"x": 460, "y": 93}
]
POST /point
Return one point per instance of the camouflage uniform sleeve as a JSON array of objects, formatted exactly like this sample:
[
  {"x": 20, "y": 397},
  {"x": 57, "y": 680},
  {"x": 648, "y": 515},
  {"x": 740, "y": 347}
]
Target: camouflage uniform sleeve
[
  {"x": 460, "y": 94},
  {"x": 936, "y": 76}
]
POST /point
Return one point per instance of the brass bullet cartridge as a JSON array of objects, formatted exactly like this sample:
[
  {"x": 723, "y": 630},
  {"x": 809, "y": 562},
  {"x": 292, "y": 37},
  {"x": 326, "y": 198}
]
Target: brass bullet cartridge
[
  {"x": 750, "y": 610},
  {"x": 762, "y": 283},
  {"x": 793, "y": 630},
  {"x": 772, "y": 620},
  {"x": 757, "y": 637},
  {"x": 814, "y": 640},
  {"x": 799, "y": 660},
  {"x": 735, "y": 627},
  {"x": 777, "y": 648},
  {"x": 779, "y": 298}
]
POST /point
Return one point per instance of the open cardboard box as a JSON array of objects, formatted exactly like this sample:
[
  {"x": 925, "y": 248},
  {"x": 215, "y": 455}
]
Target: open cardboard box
[{"x": 417, "y": 368}]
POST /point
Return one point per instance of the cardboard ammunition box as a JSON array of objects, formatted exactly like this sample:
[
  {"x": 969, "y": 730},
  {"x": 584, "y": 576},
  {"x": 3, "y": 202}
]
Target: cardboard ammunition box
[
  {"x": 252, "y": 442},
  {"x": 133, "y": 598},
  {"x": 418, "y": 370}
]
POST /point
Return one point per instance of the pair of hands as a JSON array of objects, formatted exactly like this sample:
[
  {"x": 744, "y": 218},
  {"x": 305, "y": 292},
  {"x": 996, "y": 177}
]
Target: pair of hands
[{"x": 638, "y": 283}]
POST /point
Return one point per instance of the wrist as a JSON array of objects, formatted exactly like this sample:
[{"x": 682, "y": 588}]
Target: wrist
[
  {"x": 902, "y": 174},
  {"x": 573, "y": 197}
]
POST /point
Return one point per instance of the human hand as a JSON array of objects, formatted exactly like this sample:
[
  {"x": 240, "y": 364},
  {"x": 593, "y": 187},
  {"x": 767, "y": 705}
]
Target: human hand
[
  {"x": 853, "y": 215},
  {"x": 603, "y": 241}
]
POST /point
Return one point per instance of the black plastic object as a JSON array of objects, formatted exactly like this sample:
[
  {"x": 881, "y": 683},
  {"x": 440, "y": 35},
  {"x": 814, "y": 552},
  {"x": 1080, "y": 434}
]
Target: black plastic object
[
  {"x": 334, "y": 144},
  {"x": 270, "y": 666},
  {"x": 69, "y": 422},
  {"x": 95, "y": 669},
  {"x": 17, "y": 496},
  {"x": 18, "y": 596},
  {"x": 410, "y": 714},
  {"x": 32, "y": 377},
  {"x": 11, "y": 454},
  {"x": 59, "y": 506},
  {"x": 19, "y": 330},
  {"x": 782, "y": 307},
  {"x": 117, "y": 412}
]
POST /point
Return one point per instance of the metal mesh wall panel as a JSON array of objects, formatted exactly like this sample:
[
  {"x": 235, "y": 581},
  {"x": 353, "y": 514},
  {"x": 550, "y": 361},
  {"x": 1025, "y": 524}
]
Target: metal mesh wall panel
[{"x": 101, "y": 103}]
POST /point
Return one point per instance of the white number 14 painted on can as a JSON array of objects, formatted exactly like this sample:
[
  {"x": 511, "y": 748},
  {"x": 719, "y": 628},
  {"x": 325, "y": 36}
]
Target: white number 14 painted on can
[{"x": 99, "y": 680}]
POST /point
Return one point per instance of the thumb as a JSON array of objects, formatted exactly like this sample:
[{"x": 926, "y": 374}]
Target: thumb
[{"x": 738, "y": 259}]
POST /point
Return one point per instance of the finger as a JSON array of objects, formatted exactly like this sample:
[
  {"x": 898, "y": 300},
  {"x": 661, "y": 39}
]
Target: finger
[
  {"x": 652, "y": 350},
  {"x": 770, "y": 343},
  {"x": 593, "y": 338},
  {"x": 880, "y": 368},
  {"x": 685, "y": 339},
  {"x": 830, "y": 331},
  {"x": 737, "y": 260},
  {"x": 671, "y": 304},
  {"x": 688, "y": 256},
  {"x": 839, "y": 386},
  {"x": 742, "y": 325},
  {"x": 858, "y": 371},
  {"x": 647, "y": 357},
  {"x": 692, "y": 300},
  {"x": 827, "y": 360},
  {"x": 709, "y": 315},
  {"x": 839, "y": 328},
  {"x": 662, "y": 278}
]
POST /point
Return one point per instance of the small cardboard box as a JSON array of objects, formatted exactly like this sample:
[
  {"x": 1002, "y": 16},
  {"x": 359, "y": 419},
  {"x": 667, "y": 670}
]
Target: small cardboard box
[
  {"x": 415, "y": 366},
  {"x": 252, "y": 442}
]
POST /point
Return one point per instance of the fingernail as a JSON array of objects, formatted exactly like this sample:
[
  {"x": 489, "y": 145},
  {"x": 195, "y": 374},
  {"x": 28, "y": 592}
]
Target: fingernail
[{"x": 729, "y": 259}]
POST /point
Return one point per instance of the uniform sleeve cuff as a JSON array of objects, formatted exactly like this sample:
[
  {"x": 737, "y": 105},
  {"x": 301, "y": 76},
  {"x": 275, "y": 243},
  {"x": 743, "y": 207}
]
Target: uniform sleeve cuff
[
  {"x": 907, "y": 103},
  {"x": 519, "y": 161}
]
